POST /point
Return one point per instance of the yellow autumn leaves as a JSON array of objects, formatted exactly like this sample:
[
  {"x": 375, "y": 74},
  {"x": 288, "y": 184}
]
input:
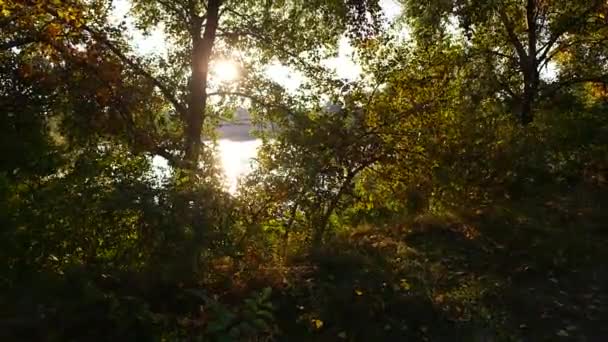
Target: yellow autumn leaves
[
  {"x": 31, "y": 13},
  {"x": 404, "y": 285},
  {"x": 316, "y": 323},
  {"x": 5, "y": 8}
]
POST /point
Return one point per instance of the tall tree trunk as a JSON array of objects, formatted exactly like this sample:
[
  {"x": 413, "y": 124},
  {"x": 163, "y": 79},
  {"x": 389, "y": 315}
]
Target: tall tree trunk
[
  {"x": 527, "y": 58},
  {"x": 202, "y": 48},
  {"x": 530, "y": 65}
]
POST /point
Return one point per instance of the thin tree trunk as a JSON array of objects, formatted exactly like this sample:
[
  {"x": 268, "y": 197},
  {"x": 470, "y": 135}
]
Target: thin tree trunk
[
  {"x": 292, "y": 218},
  {"x": 320, "y": 225}
]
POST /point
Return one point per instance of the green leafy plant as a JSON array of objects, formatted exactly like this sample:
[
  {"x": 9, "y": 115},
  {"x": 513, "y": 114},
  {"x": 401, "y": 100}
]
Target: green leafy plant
[{"x": 253, "y": 318}]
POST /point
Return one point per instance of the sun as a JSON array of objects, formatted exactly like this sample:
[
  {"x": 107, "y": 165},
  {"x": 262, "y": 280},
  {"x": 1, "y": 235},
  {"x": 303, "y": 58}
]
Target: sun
[{"x": 225, "y": 70}]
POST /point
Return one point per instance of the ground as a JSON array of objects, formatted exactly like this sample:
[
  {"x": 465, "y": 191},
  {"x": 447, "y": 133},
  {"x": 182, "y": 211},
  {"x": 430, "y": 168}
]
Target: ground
[{"x": 530, "y": 269}]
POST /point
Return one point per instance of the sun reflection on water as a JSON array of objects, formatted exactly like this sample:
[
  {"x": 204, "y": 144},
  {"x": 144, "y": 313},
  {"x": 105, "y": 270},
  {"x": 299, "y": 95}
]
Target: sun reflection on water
[{"x": 236, "y": 157}]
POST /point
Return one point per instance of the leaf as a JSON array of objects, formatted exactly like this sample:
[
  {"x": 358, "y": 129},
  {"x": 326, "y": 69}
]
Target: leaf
[
  {"x": 316, "y": 323},
  {"x": 563, "y": 333},
  {"x": 342, "y": 335},
  {"x": 266, "y": 293},
  {"x": 358, "y": 292},
  {"x": 53, "y": 30}
]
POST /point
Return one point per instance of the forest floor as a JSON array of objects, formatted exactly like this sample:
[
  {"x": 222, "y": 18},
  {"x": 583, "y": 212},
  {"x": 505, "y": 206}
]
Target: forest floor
[
  {"x": 527, "y": 269},
  {"x": 532, "y": 269}
]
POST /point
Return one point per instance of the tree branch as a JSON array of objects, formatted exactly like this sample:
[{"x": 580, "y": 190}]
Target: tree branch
[
  {"x": 135, "y": 135},
  {"x": 171, "y": 6},
  {"x": 521, "y": 52},
  {"x": 556, "y": 86},
  {"x": 531, "y": 15},
  {"x": 18, "y": 42},
  {"x": 575, "y": 20},
  {"x": 499, "y": 54},
  {"x": 250, "y": 31},
  {"x": 167, "y": 93}
]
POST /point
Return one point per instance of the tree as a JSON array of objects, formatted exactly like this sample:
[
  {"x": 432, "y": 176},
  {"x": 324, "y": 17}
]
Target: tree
[
  {"x": 201, "y": 31},
  {"x": 520, "y": 40},
  {"x": 312, "y": 165},
  {"x": 167, "y": 105},
  {"x": 198, "y": 32}
]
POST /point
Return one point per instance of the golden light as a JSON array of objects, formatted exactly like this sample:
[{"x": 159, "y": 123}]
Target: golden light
[
  {"x": 225, "y": 71},
  {"x": 236, "y": 157}
]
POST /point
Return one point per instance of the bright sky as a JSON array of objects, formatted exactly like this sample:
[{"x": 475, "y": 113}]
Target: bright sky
[
  {"x": 236, "y": 156},
  {"x": 343, "y": 64}
]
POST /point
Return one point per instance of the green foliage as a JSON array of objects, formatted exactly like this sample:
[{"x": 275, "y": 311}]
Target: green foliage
[
  {"x": 255, "y": 317},
  {"x": 413, "y": 206}
]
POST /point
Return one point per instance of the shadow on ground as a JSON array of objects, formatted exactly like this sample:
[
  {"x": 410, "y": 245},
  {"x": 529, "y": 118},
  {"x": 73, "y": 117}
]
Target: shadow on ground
[{"x": 527, "y": 271}]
